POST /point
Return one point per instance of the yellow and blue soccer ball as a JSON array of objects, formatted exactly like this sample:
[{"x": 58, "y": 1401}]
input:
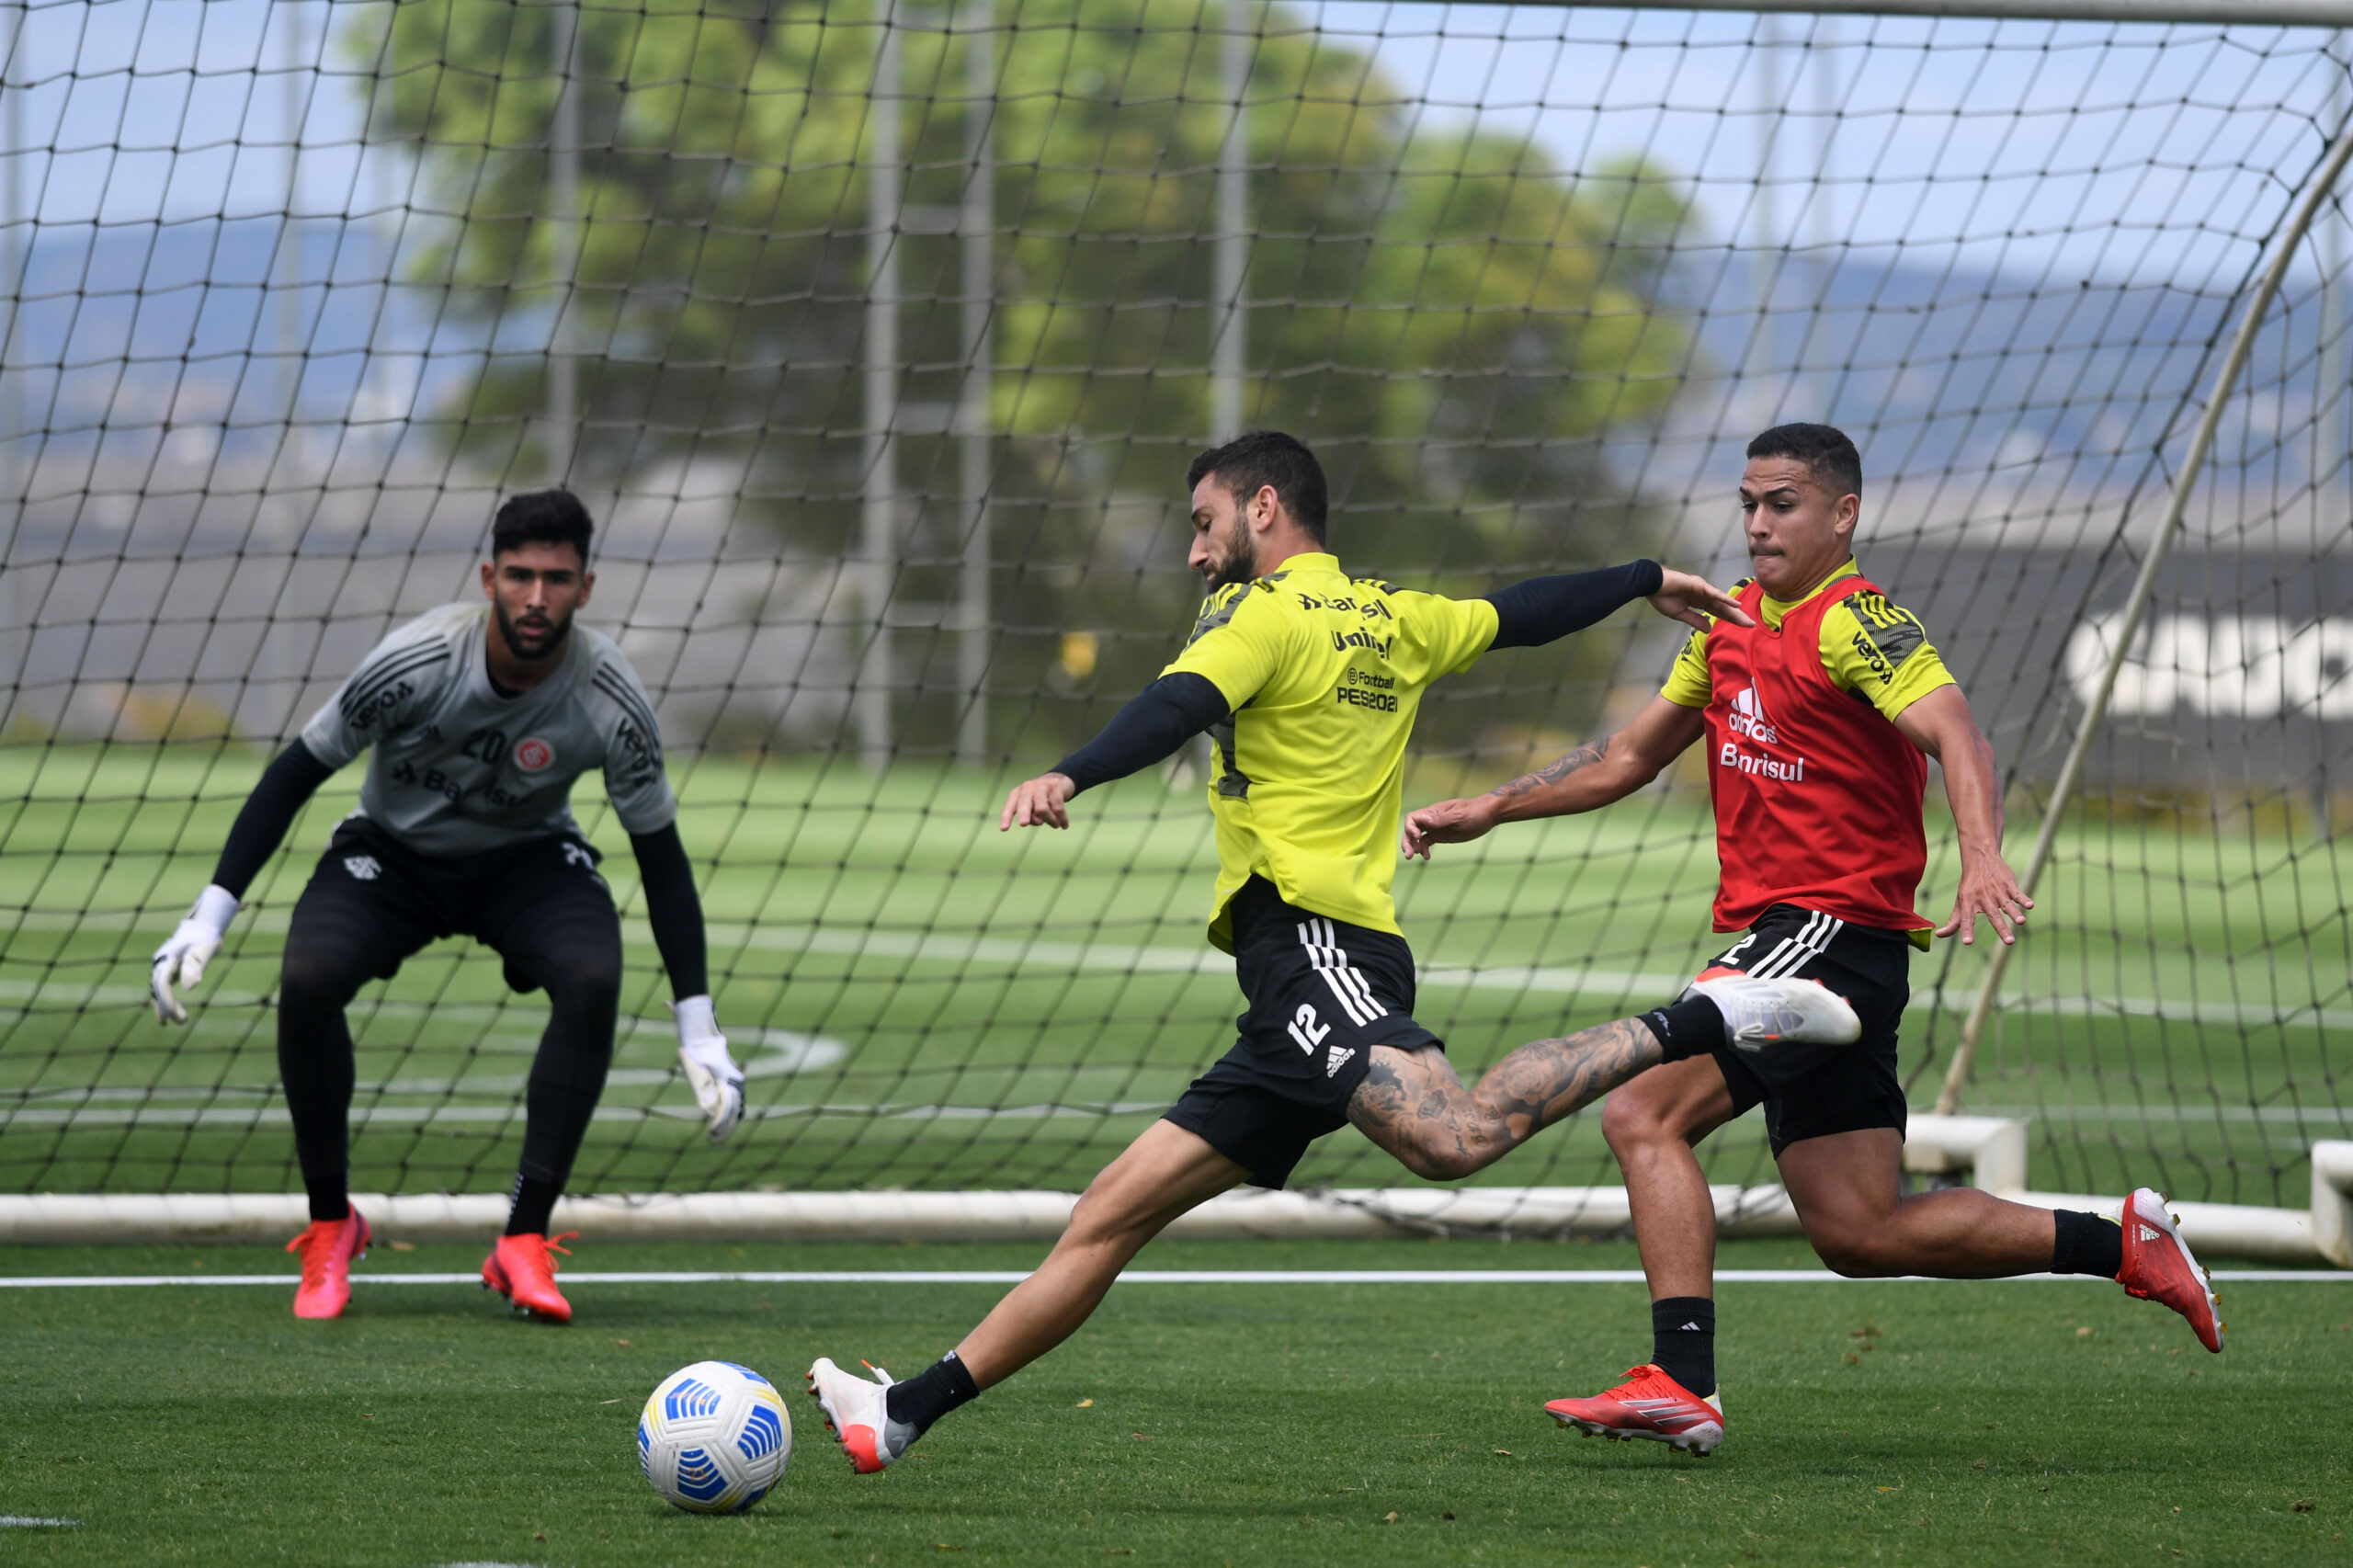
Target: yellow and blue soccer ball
[{"x": 714, "y": 1437}]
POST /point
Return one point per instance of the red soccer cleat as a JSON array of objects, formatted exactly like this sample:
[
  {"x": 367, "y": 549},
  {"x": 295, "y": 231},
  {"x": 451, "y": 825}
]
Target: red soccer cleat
[
  {"x": 1649, "y": 1404},
  {"x": 2158, "y": 1266},
  {"x": 522, "y": 1268},
  {"x": 329, "y": 1248}
]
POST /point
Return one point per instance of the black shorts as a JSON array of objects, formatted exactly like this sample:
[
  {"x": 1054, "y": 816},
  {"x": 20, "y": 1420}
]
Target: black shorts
[
  {"x": 1321, "y": 993},
  {"x": 1813, "y": 1091},
  {"x": 503, "y": 898}
]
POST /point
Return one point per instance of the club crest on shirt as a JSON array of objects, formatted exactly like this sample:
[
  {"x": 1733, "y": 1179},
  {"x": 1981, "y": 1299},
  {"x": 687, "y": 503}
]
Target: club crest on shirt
[{"x": 533, "y": 754}]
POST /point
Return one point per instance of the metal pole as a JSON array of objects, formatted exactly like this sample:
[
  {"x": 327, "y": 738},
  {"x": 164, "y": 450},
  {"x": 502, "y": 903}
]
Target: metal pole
[
  {"x": 976, "y": 221},
  {"x": 563, "y": 202},
  {"x": 1766, "y": 274},
  {"x": 1230, "y": 345},
  {"x": 2328, "y": 406},
  {"x": 2168, "y": 528},
  {"x": 278, "y": 657},
  {"x": 15, "y": 478},
  {"x": 1826, "y": 216},
  {"x": 878, "y": 514}
]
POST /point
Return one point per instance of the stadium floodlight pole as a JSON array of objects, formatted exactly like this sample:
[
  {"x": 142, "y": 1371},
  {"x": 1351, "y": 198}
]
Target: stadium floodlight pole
[
  {"x": 877, "y": 515},
  {"x": 978, "y": 219},
  {"x": 2291, "y": 241},
  {"x": 1231, "y": 257},
  {"x": 564, "y": 201}
]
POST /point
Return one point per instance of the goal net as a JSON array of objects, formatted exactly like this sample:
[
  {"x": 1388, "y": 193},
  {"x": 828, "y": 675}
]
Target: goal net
[{"x": 878, "y": 337}]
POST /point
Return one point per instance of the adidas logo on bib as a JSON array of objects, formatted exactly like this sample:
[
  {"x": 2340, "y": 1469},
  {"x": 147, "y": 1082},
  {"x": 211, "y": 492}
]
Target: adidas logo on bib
[
  {"x": 362, "y": 867},
  {"x": 1337, "y": 1059}
]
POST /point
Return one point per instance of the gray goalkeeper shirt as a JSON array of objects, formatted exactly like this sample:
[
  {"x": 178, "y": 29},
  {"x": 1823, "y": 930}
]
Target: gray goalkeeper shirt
[{"x": 457, "y": 768}]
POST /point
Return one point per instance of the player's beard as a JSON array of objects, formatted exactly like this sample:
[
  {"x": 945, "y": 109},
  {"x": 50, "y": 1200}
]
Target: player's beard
[
  {"x": 515, "y": 641},
  {"x": 1238, "y": 558}
]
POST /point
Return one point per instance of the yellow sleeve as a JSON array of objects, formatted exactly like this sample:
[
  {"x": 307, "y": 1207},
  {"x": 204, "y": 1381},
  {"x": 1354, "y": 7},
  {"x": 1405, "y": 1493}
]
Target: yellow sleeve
[
  {"x": 1237, "y": 644},
  {"x": 1452, "y": 633},
  {"x": 1874, "y": 646},
  {"x": 1687, "y": 683}
]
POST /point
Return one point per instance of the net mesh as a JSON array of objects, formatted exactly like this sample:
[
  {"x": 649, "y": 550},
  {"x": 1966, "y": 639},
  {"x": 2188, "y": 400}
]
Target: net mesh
[{"x": 878, "y": 340}]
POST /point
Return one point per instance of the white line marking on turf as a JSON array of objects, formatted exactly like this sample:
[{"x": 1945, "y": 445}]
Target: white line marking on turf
[
  {"x": 27, "y": 1522},
  {"x": 1133, "y": 1277}
]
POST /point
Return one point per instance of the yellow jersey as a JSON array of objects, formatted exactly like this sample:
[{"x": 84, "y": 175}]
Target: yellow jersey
[
  {"x": 1324, "y": 673},
  {"x": 1869, "y": 646}
]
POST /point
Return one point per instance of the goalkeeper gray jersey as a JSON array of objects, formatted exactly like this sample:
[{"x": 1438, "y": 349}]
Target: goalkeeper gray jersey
[{"x": 457, "y": 768}]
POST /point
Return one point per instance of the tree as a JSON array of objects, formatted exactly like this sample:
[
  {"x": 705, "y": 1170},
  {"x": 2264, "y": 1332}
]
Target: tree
[{"x": 1450, "y": 318}]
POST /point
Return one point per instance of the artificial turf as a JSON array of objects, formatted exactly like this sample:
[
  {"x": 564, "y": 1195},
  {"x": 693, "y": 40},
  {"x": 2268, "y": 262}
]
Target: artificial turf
[{"x": 1907, "y": 1422}]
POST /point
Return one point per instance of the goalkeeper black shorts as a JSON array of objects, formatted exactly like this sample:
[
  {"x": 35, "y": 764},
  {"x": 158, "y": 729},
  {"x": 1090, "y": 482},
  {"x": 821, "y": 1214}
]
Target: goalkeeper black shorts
[
  {"x": 1321, "y": 993},
  {"x": 1813, "y": 1091}
]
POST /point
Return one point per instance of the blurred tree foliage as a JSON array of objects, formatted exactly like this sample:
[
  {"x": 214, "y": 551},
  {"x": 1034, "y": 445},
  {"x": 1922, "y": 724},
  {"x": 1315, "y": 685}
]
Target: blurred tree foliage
[{"x": 1451, "y": 319}]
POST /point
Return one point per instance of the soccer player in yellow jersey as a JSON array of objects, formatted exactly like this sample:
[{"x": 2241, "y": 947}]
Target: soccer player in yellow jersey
[
  {"x": 1307, "y": 680},
  {"x": 1820, "y": 709}
]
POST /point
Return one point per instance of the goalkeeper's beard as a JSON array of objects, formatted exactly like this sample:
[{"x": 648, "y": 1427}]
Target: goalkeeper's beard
[{"x": 548, "y": 649}]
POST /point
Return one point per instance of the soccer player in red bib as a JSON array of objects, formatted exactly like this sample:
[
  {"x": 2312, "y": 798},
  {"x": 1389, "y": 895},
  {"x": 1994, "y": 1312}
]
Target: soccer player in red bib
[{"x": 1819, "y": 721}]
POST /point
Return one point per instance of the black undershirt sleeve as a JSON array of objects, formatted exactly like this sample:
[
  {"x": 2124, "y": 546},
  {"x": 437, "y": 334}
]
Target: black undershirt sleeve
[
  {"x": 1544, "y": 609},
  {"x": 1155, "y": 722},
  {"x": 673, "y": 909},
  {"x": 287, "y": 785}
]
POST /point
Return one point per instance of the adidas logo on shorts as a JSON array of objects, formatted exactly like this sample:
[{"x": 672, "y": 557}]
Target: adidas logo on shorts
[{"x": 363, "y": 868}]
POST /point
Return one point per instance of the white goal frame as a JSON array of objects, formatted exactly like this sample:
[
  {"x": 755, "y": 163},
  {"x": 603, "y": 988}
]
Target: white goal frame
[{"x": 1944, "y": 1145}]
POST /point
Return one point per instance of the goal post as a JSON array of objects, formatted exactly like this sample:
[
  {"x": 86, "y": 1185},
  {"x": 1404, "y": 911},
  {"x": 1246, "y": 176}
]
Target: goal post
[{"x": 878, "y": 341}]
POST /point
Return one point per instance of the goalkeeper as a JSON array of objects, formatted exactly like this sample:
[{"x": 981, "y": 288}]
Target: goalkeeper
[
  {"x": 1307, "y": 681},
  {"x": 481, "y": 716}
]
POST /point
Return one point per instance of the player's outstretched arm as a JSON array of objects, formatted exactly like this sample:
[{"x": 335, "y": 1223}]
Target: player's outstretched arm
[
  {"x": 1155, "y": 722},
  {"x": 291, "y": 779},
  {"x": 1538, "y": 611},
  {"x": 1941, "y": 725},
  {"x": 674, "y": 911},
  {"x": 1592, "y": 776}
]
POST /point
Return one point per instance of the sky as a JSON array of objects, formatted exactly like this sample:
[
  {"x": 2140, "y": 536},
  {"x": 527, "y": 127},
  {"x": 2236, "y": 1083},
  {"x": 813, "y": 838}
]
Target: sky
[{"x": 2007, "y": 145}]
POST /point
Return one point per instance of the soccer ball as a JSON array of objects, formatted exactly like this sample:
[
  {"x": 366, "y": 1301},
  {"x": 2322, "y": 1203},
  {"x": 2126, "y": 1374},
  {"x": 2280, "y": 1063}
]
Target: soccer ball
[{"x": 714, "y": 1437}]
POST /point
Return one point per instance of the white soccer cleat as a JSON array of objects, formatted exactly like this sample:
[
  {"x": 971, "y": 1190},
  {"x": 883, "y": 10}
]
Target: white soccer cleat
[
  {"x": 1759, "y": 1013},
  {"x": 860, "y": 1413}
]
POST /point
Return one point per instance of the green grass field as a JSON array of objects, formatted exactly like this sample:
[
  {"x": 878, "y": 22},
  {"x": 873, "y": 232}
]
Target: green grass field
[
  {"x": 927, "y": 1002},
  {"x": 1899, "y": 1422}
]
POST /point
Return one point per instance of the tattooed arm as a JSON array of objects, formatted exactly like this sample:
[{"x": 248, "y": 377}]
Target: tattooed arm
[{"x": 1592, "y": 776}]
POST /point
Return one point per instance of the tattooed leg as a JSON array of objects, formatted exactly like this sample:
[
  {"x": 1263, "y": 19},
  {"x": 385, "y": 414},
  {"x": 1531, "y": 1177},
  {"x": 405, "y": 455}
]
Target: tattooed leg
[{"x": 1412, "y": 1103}]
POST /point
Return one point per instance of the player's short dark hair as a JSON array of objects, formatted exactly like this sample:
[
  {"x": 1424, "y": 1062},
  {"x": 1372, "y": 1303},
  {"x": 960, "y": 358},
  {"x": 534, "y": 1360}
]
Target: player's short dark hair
[
  {"x": 1823, "y": 448},
  {"x": 1250, "y": 462},
  {"x": 542, "y": 517}
]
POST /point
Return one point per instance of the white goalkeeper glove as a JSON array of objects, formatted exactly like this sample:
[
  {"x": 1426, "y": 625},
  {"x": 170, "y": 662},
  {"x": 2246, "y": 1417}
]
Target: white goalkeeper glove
[
  {"x": 718, "y": 1081},
  {"x": 180, "y": 961}
]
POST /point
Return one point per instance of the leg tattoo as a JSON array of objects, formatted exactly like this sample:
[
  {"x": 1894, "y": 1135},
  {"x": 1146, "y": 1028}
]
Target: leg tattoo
[{"x": 1412, "y": 1103}]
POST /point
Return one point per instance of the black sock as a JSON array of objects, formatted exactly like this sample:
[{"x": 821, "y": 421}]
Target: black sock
[
  {"x": 1693, "y": 1026},
  {"x": 931, "y": 1393},
  {"x": 2086, "y": 1243},
  {"x": 534, "y": 1206},
  {"x": 1683, "y": 1341},
  {"x": 330, "y": 1200}
]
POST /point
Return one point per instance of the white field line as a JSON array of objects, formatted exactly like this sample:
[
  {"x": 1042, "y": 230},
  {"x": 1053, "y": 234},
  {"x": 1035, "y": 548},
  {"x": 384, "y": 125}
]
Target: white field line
[
  {"x": 1134, "y": 1276},
  {"x": 1125, "y": 959}
]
